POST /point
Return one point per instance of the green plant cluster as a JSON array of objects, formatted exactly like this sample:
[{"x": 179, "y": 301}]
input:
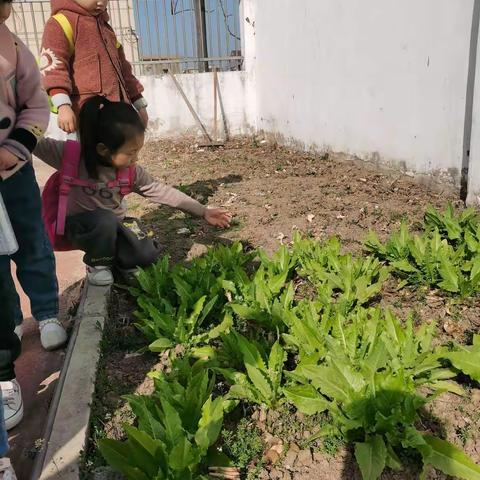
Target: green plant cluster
[
  {"x": 247, "y": 337},
  {"x": 445, "y": 255}
]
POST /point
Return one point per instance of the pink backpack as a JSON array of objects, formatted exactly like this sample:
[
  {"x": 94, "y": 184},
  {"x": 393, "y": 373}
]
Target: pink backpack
[{"x": 57, "y": 188}]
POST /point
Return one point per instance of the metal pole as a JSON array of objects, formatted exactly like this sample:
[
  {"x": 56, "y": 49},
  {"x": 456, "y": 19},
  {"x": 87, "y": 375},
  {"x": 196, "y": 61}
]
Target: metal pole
[{"x": 201, "y": 26}]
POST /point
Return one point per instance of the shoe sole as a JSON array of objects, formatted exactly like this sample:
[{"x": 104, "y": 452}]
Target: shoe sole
[
  {"x": 100, "y": 284},
  {"x": 14, "y": 420},
  {"x": 55, "y": 346}
]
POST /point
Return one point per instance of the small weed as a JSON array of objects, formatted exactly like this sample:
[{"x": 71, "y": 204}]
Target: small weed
[
  {"x": 397, "y": 303},
  {"x": 189, "y": 223},
  {"x": 332, "y": 443},
  {"x": 183, "y": 189},
  {"x": 398, "y": 217},
  {"x": 254, "y": 472},
  {"x": 243, "y": 444},
  {"x": 464, "y": 434}
]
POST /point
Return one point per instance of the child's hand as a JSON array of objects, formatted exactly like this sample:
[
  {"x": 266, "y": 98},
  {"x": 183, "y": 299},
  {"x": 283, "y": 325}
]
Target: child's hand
[
  {"x": 66, "y": 119},
  {"x": 144, "y": 116},
  {"x": 218, "y": 217},
  {"x": 7, "y": 159}
]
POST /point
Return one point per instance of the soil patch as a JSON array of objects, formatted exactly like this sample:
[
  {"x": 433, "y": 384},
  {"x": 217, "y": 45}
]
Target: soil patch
[{"x": 272, "y": 192}]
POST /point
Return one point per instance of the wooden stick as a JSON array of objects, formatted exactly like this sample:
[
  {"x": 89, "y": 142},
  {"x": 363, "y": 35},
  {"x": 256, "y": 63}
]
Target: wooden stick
[
  {"x": 224, "y": 118},
  {"x": 190, "y": 107},
  {"x": 215, "y": 88}
]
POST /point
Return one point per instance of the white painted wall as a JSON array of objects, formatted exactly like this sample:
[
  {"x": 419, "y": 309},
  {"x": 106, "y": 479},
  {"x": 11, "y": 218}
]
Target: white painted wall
[
  {"x": 376, "y": 78},
  {"x": 170, "y": 116}
]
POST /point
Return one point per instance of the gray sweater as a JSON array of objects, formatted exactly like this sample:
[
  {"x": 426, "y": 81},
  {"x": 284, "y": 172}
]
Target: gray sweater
[{"x": 84, "y": 200}]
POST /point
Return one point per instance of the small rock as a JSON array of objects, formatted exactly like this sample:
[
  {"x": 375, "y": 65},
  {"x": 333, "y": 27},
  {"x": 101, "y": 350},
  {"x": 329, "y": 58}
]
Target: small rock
[
  {"x": 300, "y": 416},
  {"x": 364, "y": 180},
  {"x": 132, "y": 355},
  {"x": 475, "y": 396},
  {"x": 278, "y": 447},
  {"x": 272, "y": 456},
  {"x": 276, "y": 474},
  {"x": 263, "y": 416},
  {"x": 197, "y": 250},
  {"x": 294, "y": 447},
  {"x": 310, "y": 217},
  {"x": 290, "y": 459},
  {"x": 318, "y": 457},
  {"x": 304, "y": 458},
  {"x": 451, "y": 327},
  {"x": 272, "y": 416}
]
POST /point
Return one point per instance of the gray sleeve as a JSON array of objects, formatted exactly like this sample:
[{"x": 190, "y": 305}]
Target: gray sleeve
[
  {"x": 157, "y": 192},
  {"x": 50, "y": 151}
]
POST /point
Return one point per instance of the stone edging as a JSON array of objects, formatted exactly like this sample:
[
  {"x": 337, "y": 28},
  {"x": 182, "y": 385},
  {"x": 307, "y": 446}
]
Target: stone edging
[{"x": 68, "y": 420}]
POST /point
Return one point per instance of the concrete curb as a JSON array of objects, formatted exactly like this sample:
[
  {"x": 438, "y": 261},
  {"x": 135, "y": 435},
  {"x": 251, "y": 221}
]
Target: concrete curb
[{"x": 69, "y": 416}]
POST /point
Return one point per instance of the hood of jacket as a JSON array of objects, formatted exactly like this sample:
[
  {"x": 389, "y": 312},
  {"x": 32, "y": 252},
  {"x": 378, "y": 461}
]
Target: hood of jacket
[{"x": 74, "y": 7}]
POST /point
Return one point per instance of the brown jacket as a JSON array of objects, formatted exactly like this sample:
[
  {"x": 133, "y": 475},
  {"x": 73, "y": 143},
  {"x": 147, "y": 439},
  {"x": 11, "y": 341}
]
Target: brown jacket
[{"x": 97, "y": 66}]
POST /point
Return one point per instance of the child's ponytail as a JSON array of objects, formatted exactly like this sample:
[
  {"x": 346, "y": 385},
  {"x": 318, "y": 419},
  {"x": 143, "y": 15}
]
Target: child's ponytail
[{"x": 110, "y": 123}]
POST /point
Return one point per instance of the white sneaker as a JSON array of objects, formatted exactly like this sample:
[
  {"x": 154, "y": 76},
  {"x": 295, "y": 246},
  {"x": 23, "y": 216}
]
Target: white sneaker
[
  {"x": 52, "y": 334},
  {"x": 99, "y": 276},
  {"x": 12, "y": 404},
  {"x": 6, "y": 470},
  {"x": 19, "y": 331}
]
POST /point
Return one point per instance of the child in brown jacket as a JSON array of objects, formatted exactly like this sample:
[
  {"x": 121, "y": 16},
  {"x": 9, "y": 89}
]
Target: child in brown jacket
[{"x": 91, "y": 62}]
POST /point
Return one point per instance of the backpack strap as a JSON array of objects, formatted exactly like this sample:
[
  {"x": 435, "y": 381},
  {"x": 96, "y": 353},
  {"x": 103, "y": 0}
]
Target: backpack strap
[
  {"x": 67, "y": 30},
  {"x": 125, "y": 180},
  {"x": 68, "y": 177}
]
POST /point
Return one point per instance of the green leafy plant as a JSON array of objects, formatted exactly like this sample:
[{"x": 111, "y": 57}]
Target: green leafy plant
[
  {"x": 180, "y": 305},
  {"x": 267, "y": 295},
  {"x": 429, "y": 259},
  {"x": 355, "y": 281},
  {"x": 177, "y": 427},
  {"x": 261, "y": 384},
  {"x": 368, "y": 377},
  {"x": 456, "y": 228}
]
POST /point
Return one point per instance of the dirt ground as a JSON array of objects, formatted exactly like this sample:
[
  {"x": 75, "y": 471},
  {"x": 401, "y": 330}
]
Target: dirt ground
[{"x": 272, "y": 191}]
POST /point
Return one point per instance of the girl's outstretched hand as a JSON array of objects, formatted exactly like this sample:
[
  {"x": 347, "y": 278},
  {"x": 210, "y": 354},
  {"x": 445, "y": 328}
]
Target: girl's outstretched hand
[{"x": 218, "y": 217}]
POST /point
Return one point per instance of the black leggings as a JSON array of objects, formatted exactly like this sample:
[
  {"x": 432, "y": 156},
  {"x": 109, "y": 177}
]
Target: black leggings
[
  {"x": 111, "y": 242},
  {"x": 9, "y": 342}
]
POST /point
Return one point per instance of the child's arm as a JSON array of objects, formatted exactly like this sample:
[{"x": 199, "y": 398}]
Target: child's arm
[
  {"x": 55, "y": 68},
  {"x": 32, "y": 106},
  {"x": 134, "y": 87},
  {"x": 50, "y": 151},
  {"x": 156, "y": 192}
]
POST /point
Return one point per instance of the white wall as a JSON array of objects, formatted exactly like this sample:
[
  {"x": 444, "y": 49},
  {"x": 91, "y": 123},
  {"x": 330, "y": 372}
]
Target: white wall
[
  {"x": 170, "y": 116},
  {"x": 377, "y": 78}
]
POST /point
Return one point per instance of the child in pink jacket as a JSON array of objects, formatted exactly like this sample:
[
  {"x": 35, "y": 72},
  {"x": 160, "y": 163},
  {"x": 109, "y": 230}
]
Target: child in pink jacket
[{"x": 24, "y": 114}]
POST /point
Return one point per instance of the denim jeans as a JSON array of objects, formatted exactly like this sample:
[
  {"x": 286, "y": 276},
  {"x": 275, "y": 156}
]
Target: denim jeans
[
  {"x": 3, "y": 431},
  {"x": 35, "y": 260}
]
